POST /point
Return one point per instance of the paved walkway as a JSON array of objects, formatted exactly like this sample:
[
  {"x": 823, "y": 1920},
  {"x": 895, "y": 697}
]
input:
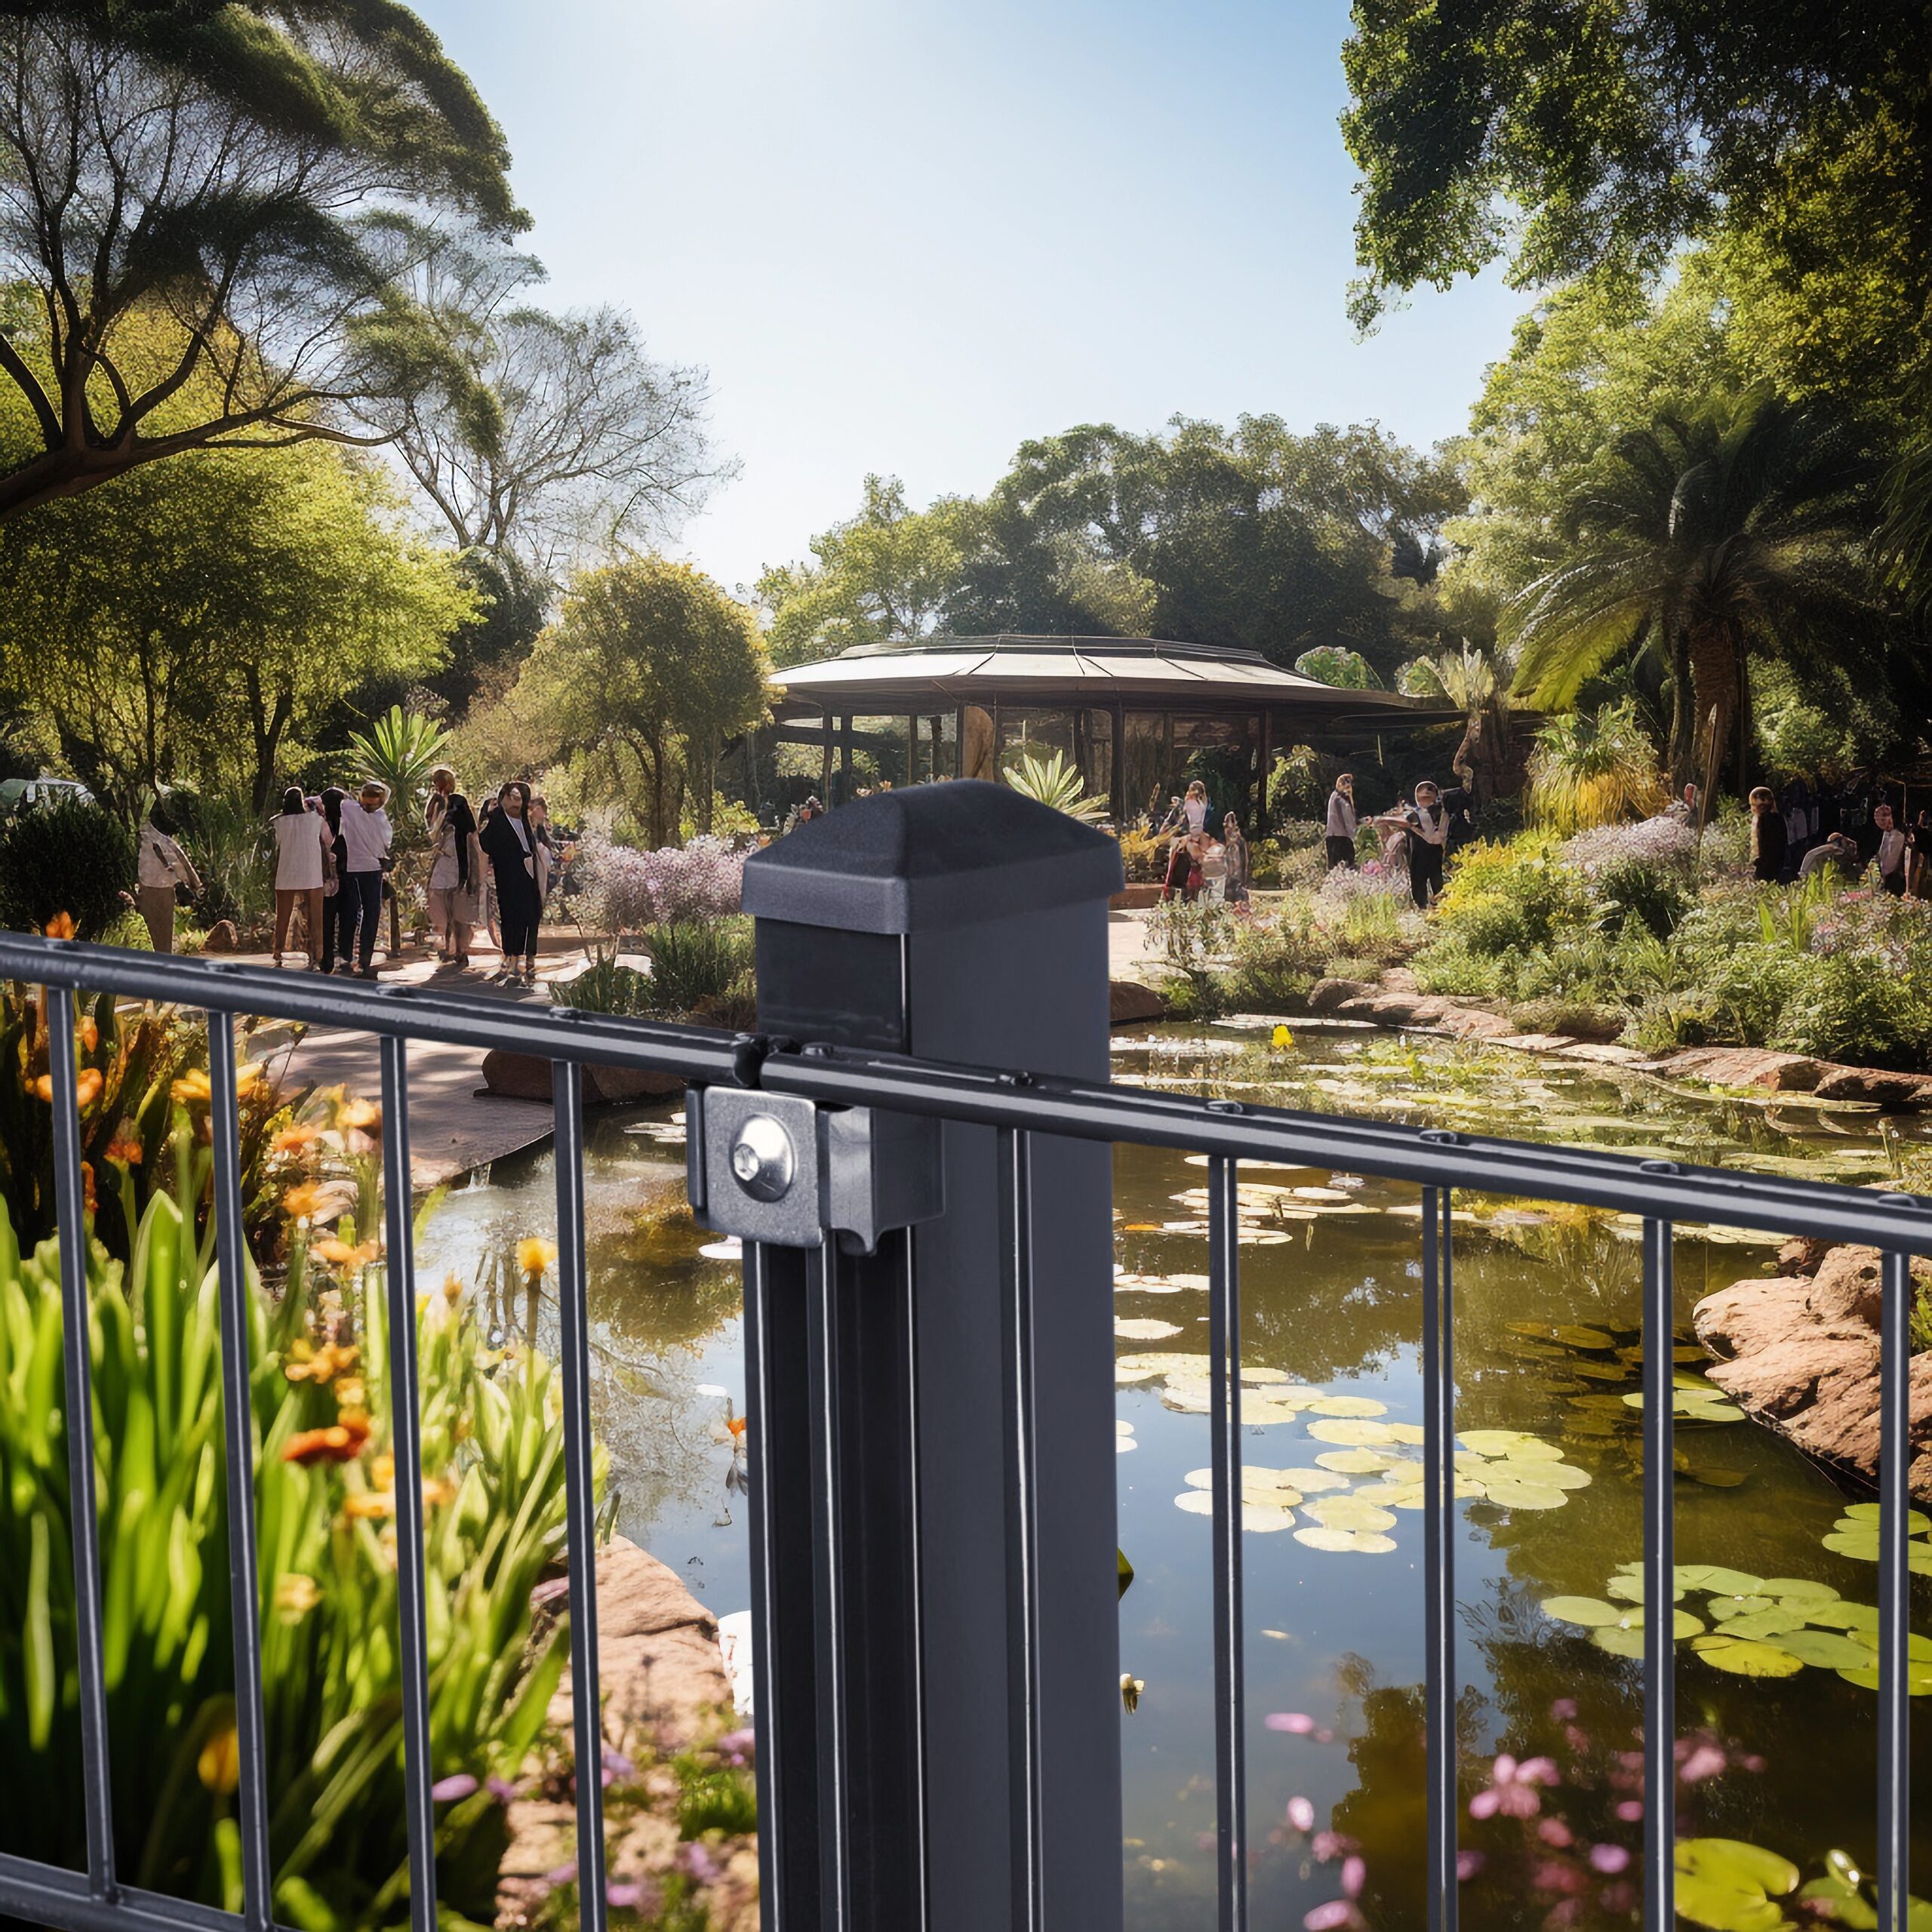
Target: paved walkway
[{"x": 455, "y": 1123}]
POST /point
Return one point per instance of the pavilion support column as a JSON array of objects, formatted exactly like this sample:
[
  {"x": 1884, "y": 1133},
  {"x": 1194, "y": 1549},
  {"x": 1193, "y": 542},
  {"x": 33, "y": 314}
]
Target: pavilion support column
[
  {"x": 825, "y": 765},
  {"x": 1267, "y": 763}
]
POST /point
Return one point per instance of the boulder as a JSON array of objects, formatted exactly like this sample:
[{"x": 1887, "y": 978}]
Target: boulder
[
  {"x": 1129, "y": 1003},
  {"x": 525, "y": 1077},
  {"x": 1537, "y": 1043},
  {"x": 1800, "y": 1353},
  {"x": 221, "y": 937},
  {"x": 1400, "y": 980},
  {"x": 1135, "y": 898},
  {"x": 665, "y": 1691},
  {"x": 1902, "y": 1091},
  {"x": 1747, "y": 1067},
  {"x": 1328, "y": 996},
  {"x": 1475, "y": 1023}
]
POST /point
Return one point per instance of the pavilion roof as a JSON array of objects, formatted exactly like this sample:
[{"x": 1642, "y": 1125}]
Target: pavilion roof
[{"x": 885, "y": 679}]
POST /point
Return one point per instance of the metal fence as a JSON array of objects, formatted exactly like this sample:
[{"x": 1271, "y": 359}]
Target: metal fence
[{"x": 860, "y": 1771}]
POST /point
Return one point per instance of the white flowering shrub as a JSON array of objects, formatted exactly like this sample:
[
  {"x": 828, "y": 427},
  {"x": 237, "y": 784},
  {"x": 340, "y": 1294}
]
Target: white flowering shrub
[{"x": 625, "y": 890}]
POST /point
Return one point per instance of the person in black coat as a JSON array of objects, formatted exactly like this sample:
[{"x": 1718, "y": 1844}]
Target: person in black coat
[
  {"x": 1769, "y": 841},
  {"x": 515, "y": 854}
]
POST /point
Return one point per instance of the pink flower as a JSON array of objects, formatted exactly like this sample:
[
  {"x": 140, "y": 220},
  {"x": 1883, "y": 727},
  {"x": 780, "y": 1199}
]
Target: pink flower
[
  {"x": 1295, "y": 1721},
  {"x": 1326, "y": 1845},
  {"x": 1553, "y": 1876},
  {"x": 1513, "y": 1793},
  {"x": 502, "y": 1790},
  {"x": 446, "y": 1791},
  {"x": 1706, "y": 1761},
  {"x": 1324, "y": 1736},
  {"x": 1468, "y": 1864},
  {"x": 1354, "y": 1875},
  {"x": 1563, "y": 1710},
  {"x": 1631, "y": 1811},
  {"x": 1555, "y": 1832},
  {"x": 736, "y": 1747},
  {"x": 1332, "y": 1917},
  {"x": 1609, "y": 1859},
  {"x": 700, "y": 1864},
  {"x": 1301, "y": 1815},
  {"x": 624, "y": 1895}
]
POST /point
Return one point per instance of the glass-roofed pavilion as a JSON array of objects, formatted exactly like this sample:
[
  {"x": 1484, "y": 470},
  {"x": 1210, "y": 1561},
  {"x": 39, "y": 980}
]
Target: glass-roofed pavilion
[{"x": 1137, "y": 716}]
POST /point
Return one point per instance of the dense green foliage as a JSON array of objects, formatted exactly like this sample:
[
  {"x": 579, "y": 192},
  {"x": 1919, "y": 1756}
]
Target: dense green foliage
[
  {"x": 324, "y": 1491},
  {"x": 67, "y": 857}
]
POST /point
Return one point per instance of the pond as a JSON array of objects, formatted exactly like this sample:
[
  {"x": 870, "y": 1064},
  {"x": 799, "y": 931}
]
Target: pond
[{"x": 1547, "y": 1311}]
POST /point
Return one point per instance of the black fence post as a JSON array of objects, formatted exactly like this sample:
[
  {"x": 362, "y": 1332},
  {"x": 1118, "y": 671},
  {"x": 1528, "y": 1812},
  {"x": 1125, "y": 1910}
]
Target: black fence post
[{"x": 934, "y": 1548}]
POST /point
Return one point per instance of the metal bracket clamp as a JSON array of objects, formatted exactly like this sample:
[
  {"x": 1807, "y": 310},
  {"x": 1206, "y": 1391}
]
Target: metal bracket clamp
[{"x": 770, "y": 1167}]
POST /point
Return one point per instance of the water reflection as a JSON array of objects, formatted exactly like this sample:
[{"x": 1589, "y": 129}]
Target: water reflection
[{"x": 1548, "y": 1309}]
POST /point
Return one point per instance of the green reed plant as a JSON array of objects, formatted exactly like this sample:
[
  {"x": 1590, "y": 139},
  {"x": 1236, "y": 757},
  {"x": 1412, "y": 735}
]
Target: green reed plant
[{"x": 493, "y": 1487}]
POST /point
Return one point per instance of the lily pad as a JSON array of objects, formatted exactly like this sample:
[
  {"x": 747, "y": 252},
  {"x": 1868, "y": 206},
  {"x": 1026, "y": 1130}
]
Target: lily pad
[
  {"x": 1526, "y": 1496},
  {"x": 1412, "y": 1433},
  {"x": 1773, "y": 1624},
  {"x": 1313, "y": 1482},
  {"x": 1351, "y": 1434},
  {"x": 1347, "y": 1405},
  {"x": 1144, "y": 1328},
  {"x": 1798, "y": 1589},
  {"x": 1361, "y": 1542},
  {"x": 1860, "y": 1545},
  {"x": 1743, "y": 1657},
  {"x": 1918, "y": 1679},
  {"x": 1920, "y": 1523},
  {"x": 1827, "y": 1650},
  {"x": 1350, "y": 1512},
  {"x": 1727, "y": 1886},
  {"x": 1719, "y": 1581},
  {"x": 1543, "y": 1476},
  {"x": 1587, "y": 1612},
  {"x": 1255, "y": 1516},
  {"x": 1619, "y": 1640},
  {"x": 1725, "y": 1608},
  {"x": 1354, "y": 1462}
]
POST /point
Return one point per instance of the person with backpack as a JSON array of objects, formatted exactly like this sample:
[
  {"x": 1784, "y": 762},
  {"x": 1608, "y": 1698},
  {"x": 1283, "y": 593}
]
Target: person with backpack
[{"x": 161, "y": 869}]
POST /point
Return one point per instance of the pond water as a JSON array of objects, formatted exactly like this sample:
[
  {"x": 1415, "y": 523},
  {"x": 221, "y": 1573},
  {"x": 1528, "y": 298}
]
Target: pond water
[{"x": 1547, "y": 1309}]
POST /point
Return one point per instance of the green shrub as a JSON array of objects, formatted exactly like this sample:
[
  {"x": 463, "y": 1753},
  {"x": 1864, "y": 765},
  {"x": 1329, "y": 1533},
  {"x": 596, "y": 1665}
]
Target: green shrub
[
  {"x": 699, "y": 966},
  {"x": 69, "y": 856},
  {"x": 1277, "y": 961},
  {"x": 1846, "y": 1006},
  {"x": 1451, "y": 966},
  {"x": 1503, "y": 898},
  {"x": 324, "y": 1491},
  {"x": 604, "y": 986},
  {"x": 1748, "y": 987},
  {"x": 233, "y": 849},
  {"x": 1664, "y": 1022},
  {"x": 1630, "y": 888}
]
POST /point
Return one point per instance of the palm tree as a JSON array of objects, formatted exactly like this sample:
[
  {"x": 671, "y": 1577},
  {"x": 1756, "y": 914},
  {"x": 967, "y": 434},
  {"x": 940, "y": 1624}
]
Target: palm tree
[
  {"x": 1743, "y": 527},
  {"x": 1489, "y": 760}
]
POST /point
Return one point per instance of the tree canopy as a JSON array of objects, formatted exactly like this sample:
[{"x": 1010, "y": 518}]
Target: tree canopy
[
  {"x": 1569, "y": 137},
  {"x": 218, "y": 202},
  {"x": 647, "y": 669}
]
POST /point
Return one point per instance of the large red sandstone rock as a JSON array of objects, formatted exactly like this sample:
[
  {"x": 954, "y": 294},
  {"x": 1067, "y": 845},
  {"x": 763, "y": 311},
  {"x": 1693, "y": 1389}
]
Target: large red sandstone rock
[
  {"x": 1801, "y": 1352},
  {"x": 664, "y": 1691},
  {"x": 1873, "y": 1084},
  {"x": 1747, "y": 1067},
  {"x": 1129, "y": 1003},
  {"x": 1328, "y": 995},
  {"x": 525, "y": 1077}
]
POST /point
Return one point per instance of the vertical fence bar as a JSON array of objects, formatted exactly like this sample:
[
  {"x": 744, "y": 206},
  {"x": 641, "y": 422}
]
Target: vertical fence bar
[
  {"x": 1023, "y": 1528},
  {"x": 828, "y": 1591},
  {"x": 251, "y": 1796},
  {"x": 1659, "y": 1580},
  {"x": 1224, "y": 1354},
  {"x": 915, "y": 1550},
  {"x": 580, "y": 1492},
  {"x": 1438, "y": 1398},
  {"x": 1894, "y": 1596},
  {"x": 759, "y": 1407},
  {"x": 406, "y": 1447},
  {"x": 70, "y": 1212}
]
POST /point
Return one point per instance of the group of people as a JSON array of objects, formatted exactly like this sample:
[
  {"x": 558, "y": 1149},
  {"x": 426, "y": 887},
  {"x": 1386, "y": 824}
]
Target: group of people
[
  {"x": 335, "y": 850},
  {"x": 1799, "y": 834},
  {"x": 1198, "y": 862},
  {"x": 1415, "y": 837}
]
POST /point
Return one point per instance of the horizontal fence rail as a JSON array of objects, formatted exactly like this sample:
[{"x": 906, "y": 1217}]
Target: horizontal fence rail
[{"x": 1664, "y": 1193}]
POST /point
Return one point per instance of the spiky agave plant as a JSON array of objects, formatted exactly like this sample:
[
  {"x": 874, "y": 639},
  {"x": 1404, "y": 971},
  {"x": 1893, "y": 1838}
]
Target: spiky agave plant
[{"x": 1055, "y": 782}]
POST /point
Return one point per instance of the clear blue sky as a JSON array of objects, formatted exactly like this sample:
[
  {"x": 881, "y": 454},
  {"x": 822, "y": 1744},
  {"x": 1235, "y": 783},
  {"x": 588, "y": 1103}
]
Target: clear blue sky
[{"x": 903, "y": 236}]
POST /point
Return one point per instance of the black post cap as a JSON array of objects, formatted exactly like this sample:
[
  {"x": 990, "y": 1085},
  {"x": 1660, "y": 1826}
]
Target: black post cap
[{"x": 929, "y": 857}]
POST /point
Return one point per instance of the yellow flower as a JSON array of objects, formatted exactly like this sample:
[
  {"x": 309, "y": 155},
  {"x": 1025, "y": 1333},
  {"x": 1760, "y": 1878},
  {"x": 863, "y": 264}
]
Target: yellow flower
[
  {"x": 324, "y": 1364},
  {"x": 369, "y": 1505},
  {"x": 350, "y": 1393},
  {"x": 219, "y": 1764},
  {"x": 61, "y": 926},
  {"x": 381, "y": 1470},
  {"x": 247, "y": 1078},
  {"x": 192, "y": 1089},
  {"x": 359, "y": 1113},
  {"x": 452, "y": 1286},
  {"x": 1281, "y": 1037},
  {"x": 341, "y": 1255},
  {"x": 295, "y": 1596},
  {"x": 533, "y": 1255}
]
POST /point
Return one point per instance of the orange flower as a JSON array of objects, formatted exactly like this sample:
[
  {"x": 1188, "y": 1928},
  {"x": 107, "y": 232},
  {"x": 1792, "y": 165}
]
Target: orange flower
[
  {"x": 359, "y": 1113},
  {"x": 124, "y": 1150},
  {"x": 43, "y": 1088},
  {"x": 736, "y": 1424},
  {"x": 192, "y": 1089},
  {"x": 533, "y": 1255},
  {"x": 220, "y": 1765},
  {"x": 293, "y": 1140},
  {"x": 340, "y": 1254},
  {"x": 87, "y": 1086},
  {"x": 299, "y": 1203},
  {"x": 306, "y": 1363},
  {"x": 340, "y": 1442},
  {"x": 87, "y": 1186},
  {"x": 368, "y": 1505},
  {"x": 61, "y": 926},
  {"x": 452, "y": 1287},
  {"x": 89, "y": 1035}
]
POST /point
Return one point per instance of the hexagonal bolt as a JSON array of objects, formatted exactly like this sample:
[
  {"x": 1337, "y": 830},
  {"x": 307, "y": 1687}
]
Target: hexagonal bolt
[{"x": 763, "y": 1159}]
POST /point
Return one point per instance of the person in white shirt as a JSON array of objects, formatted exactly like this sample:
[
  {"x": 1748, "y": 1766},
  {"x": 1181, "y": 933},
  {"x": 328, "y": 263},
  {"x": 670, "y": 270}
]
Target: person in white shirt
[
  {"x": 301, "y": 863},
  {"x": 1340, "y": 832},
  {"x": 1891, "y": 852},
  {"x": 1193, "y": 808},
  {"x": 366, "y": 836},
  {"x": 161, "y": 867}
]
